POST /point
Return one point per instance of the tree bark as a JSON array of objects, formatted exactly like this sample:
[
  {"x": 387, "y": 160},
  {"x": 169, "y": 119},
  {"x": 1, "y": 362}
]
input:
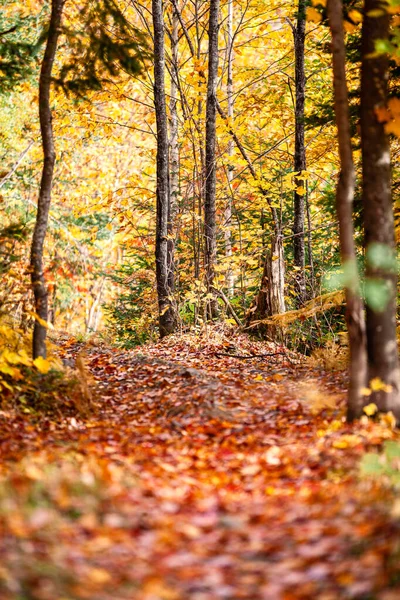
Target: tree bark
[
  {"x": 164, "y": 261},
  {"x": 344, "y": 208},
  {"x": 231, "y": 150},
  {"x": 173, "y": 150},
  {"x": 309, "y": 244},
  {"x": 378, "y": 214},
  {"x": 36, "y": 258},
  {"x": 270, "y": 299},
  {"x": 210, "y": 236},
  {"x": 299, "y": 33}
]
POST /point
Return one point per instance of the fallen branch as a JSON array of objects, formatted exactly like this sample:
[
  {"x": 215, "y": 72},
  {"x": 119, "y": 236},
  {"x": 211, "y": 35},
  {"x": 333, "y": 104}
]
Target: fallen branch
[
  {"x": 229, "y": 306},
  {"x": 246, "y": 357},
  {"x": 21, "y": 157}
]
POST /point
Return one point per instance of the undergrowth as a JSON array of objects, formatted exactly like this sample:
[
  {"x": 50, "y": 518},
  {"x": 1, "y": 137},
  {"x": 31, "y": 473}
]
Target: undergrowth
[{"x": 40, "y": 387}]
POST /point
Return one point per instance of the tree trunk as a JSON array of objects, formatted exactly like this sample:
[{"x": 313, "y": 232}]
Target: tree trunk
[
  {"x": 173, "y": 149},
  {"x": 210, "y": 166},
  {"x": 164, "y": 261},
  {"x": 299, "y": 33},
  {"x": 231, "y": 149},
  {"x": 344, "y": 208},
  {"x": 309, "y": 245},
  {"x": 36, "y": 259},
  {"x": 378, "y": 215},
  {"x": 270, "y": 299}
]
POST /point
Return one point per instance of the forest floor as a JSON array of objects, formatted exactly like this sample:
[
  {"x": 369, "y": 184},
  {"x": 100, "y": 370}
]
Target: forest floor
[{"x": 196, "y": 476}]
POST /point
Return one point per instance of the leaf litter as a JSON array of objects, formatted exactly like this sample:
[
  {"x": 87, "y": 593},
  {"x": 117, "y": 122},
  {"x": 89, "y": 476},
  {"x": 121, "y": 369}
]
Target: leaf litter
[{"x": 199, "y": 475}]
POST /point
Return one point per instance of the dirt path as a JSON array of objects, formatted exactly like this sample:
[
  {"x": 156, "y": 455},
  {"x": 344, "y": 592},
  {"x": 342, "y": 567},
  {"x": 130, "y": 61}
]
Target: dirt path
[{"x": 199, "y": 477}]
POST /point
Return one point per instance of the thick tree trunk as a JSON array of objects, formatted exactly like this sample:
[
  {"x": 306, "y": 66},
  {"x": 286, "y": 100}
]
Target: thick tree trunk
[
  {"x": 164, "y": 260},
  {"x": 231, "y": 150},
  {"x": 344, "y": 208},
  {"x": 42, "y": 217},
  {"x": 210, "y": 236},
  {"x": 378, "y": 215},
  {"x": 299, "y": 33}
]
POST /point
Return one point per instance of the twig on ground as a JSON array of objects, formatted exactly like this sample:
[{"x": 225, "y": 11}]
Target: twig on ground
[{"x": 246, "y": 357}]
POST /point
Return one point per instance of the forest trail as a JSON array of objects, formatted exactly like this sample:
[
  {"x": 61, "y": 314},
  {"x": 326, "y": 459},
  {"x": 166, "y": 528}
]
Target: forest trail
[{"x": 199, "y": 476}]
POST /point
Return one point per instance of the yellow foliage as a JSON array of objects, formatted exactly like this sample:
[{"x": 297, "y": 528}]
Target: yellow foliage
[
  {"x": 42, "y": 322},
  {"x": 42, "y": 365},
  {"x": 390, "y": 116},
  {"x": 331, "y": 357},
  {"x": 366, "y": 392},
  {"x": 370, "y": 409},
  {"x": 313, "y": 15},
  {"x": 347, "y": 441},
  {"x": 15, "y": 352},
  {"x": 349, "y": 27},
  {"x": 377, "y": 385},
  {"x": 376, "y": 12},
  {"x": 8, "y": 370},
  {"x": 393, "y": 127},
  {"x": 355, "y": 16},
  {"x": 388, "y": 420}
]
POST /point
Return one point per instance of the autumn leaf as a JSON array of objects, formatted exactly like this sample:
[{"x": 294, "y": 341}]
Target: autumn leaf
[
  {"x": 349, "y": 27},
  {"x": 7, "y": 369},
  {"x": 377, "y": 385},
  {"x": 313, "y": 15},
  {"x": 42, "y": 365},
  {"x": 98, "y": 576},
  {"x": 365, "y": 391},
  {"x": 46, "y": 324},
  {"x": 355, "y": 16},
  {"x": 393, "y": 127},
  {"x": 347, "y": 441},
  {"x": 370, "y": 409},
  {"x": 388, "y": 420}
]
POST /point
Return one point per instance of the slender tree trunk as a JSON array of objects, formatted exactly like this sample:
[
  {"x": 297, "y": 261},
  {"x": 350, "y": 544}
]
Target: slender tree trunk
[
  {"x": 231, "y": 150},
  {"x": 36, "y": 260},
  {"x": 378, "y": 215},
  {"x": 299, "y": 33},
  {"x": 93, "y": 309},
  {"x": 309, "y": 244},
  {"x": 344, "y": 208},
  {"x": 210, "y": 162},
  {"x": 200, "y": 133},
  {"x": 173, "y": 150},
  {"x": 164, "y": 261}
]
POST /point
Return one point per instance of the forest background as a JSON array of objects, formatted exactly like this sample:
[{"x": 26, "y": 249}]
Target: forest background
[{"x": 276, "y": 168}]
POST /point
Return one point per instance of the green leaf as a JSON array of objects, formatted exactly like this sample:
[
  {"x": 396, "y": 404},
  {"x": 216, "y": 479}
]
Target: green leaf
[
  {"x": 377, "y": 293},
  {"x": 371, "y": 464},
  {"x": 382, "y": 257},
  {"x": 392, "y": 449}
]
